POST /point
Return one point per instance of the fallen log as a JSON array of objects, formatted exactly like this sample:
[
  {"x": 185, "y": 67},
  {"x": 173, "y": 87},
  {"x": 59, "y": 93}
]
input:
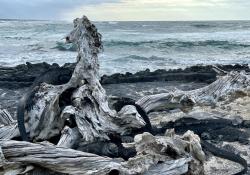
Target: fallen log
[
  {"x": 57, "y": 159},
  {"x": 151, "y": 150},
  {"x": 227, "y": 88}
]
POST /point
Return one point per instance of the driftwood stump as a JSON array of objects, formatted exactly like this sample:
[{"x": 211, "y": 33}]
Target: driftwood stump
[
  {"x": 58, "y": 147},
  {"x": 82, "y": 99}
]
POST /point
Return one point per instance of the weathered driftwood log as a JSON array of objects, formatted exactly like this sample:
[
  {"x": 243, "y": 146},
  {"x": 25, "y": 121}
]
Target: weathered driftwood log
[
  {"x": 82, "y": 99},
  {"x": 228, "y": 87},
  {"x": 57, "y": 159},
  {"x": 160, "y": 155}
]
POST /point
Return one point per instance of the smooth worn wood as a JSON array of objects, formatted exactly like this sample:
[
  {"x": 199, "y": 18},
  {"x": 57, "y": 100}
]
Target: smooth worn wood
[
  {"x": 17, "y": 156},
  {"x": 8, "y": 126},
  {"x": 226, "y": 88}
]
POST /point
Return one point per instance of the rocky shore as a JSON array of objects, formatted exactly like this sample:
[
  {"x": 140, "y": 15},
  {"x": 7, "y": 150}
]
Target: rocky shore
[
  {"x": 23, "y": 75},
  {"x": 14, "y": 81}
]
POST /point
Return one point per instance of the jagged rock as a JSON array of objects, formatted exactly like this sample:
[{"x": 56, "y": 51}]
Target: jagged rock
[{"x": 23, "y": 75}]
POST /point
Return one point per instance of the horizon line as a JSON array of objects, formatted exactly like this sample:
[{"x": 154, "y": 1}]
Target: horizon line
[{"x": 198, "y": 20}]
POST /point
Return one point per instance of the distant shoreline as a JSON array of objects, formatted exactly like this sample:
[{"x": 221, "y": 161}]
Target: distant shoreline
[{"x": 219, "y": 20}]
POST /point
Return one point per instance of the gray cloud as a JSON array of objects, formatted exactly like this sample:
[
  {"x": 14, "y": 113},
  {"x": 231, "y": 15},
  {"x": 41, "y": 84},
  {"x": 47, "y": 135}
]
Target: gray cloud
[
  {"x": 41, "y": 9},
  {"x": 58, "y": 9}
]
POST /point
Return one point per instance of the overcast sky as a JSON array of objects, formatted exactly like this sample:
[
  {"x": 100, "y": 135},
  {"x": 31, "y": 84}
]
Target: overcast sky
[{"x": 128, "y": 10}]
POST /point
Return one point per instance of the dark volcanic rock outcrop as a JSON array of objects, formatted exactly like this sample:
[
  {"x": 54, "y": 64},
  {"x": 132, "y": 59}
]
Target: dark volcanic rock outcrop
[
  {"x": 23, "y": 75},
  {"x": 198, "y": 73}
]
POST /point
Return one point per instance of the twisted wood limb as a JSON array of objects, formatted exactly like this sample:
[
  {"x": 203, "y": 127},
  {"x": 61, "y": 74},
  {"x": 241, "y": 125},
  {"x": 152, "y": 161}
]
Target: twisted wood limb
[{"x": 225, "y": 88}]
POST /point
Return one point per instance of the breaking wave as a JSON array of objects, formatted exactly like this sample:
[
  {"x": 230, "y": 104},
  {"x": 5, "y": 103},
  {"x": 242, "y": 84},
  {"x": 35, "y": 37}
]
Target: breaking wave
[
  {"x": 140, "y": 58},
  {"x": 183, "y": 44},
  {"x": 65, "y": 46}
]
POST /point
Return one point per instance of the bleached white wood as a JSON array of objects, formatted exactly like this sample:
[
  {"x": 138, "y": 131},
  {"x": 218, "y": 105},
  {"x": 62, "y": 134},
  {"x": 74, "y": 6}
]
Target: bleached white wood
[{"x": 226, "y": 88}]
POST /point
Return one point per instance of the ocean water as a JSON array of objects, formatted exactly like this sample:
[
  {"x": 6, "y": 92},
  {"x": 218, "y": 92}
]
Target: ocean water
[{"x": 130, "y": 46}]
